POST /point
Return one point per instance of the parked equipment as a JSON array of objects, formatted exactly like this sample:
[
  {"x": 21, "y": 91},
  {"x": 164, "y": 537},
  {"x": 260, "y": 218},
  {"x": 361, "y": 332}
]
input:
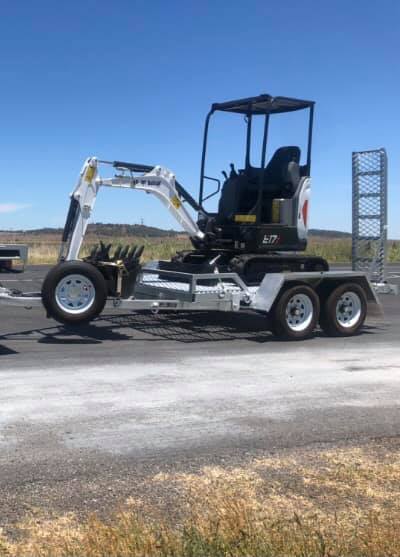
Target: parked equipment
[
  {"x": 244, "y": 256},
  {"x": 10, "y": 253}
]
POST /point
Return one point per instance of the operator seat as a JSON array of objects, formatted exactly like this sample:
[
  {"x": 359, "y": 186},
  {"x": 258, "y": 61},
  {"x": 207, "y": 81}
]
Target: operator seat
[
  {"x": 282, "y": 173},
  {"x": 231, "y": 195},
  {"x": 280, "y": 180}
]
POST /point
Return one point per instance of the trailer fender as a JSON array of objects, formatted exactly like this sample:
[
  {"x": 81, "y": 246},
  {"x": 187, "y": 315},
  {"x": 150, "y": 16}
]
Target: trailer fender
[
  {"x": 322, "y": 282},
  {"x": 268, "y": 291}
]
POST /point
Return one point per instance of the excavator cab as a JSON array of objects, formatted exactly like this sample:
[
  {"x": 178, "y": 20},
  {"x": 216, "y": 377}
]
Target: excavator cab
[{"x": 265, "y": 208}]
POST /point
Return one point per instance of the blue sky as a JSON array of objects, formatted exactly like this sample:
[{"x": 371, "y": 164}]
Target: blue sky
[{"x": 133, "y": 80}]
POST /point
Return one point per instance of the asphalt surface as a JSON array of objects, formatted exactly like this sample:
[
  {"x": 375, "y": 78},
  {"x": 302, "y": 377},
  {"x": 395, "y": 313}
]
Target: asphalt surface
[{"x": 83, "y": 417}]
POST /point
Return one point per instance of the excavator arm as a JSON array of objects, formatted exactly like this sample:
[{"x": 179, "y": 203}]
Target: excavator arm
[{"x": 157, "y": 180}]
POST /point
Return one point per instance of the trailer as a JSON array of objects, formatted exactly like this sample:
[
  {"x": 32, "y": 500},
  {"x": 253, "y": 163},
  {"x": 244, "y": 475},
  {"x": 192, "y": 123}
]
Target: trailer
[
  {"x": 247, "y": 256},
  {"x": 293, "y": 303},
  {"x": 10, "y": 253}
]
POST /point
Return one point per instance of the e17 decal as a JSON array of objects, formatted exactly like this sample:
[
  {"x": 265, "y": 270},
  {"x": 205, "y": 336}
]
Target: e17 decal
[{"x": 271, "y": 239}]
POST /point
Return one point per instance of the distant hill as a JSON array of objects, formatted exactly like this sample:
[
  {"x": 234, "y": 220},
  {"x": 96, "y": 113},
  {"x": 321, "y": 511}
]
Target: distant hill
[
  {"x": 143, "y": 231},
  {"x": 100, "y": 229},
  {"x": 328, "y": 233}
]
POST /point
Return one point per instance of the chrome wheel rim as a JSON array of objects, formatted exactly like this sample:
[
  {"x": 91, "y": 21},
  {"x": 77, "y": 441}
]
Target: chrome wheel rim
[
  {"x": 348, "y": 309},
  {"x": 299, "y": 312},
  {"x": 75, "y": 294}
]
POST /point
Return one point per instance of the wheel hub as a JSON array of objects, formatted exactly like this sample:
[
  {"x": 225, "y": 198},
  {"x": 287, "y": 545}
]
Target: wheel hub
[
  {"x": 299, "y": 312},
  {"x": 75, "y": 293},
  {"x": 348, "y": 309}
]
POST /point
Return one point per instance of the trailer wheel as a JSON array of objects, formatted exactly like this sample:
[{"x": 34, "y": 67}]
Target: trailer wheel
[
  {"x": 296, "y": 313},
  {"x": 74, "y": 292},
  {"x": 344, "y": 311}
]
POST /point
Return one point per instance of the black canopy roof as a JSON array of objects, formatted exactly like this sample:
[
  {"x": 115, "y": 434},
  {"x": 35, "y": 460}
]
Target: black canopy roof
[{"x": 263, "y": 104}]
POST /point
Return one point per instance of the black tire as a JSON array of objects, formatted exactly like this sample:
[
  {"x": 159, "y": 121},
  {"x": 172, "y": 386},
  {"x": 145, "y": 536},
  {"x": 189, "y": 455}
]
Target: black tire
[
  {"x": 94, "y": 289},
  {"x": 337, "y": 322},
  {"x": 284, "y": 326}
]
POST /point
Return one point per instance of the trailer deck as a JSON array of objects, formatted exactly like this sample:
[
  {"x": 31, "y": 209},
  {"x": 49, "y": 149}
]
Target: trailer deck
[{"x": 171, "y": 290}]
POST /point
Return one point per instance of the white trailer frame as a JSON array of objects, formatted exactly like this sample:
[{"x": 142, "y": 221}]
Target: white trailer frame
[{"x": 170, "y": 290}]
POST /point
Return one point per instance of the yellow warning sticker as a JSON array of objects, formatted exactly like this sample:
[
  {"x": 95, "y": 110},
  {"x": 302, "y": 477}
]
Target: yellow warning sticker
[
  {"x": 245, "y": 218},
  {"x": 176, "y": 202},
  {"x": 89, "y": 173}
]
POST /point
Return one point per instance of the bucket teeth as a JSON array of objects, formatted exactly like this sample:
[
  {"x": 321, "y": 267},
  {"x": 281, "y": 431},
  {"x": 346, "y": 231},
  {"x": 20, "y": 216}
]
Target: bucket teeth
[
  {"x": 103, "y": 253},
  {"x": 124, "y": 252},
  {"x": 93, "y": 252},
  {"x": 117, "y": 252},
  {"x": 132, "y": 259},
  {"x": 139, "y": 252},
  {"x": 131, "y": 253}
]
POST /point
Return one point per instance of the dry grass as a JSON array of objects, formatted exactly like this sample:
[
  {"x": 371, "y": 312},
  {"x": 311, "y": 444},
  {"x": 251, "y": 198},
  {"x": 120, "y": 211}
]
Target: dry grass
[
  {"x": 339, "y": 250},
  {"x": 328, "y": 503},
  {"x": 44, "y": 249}
]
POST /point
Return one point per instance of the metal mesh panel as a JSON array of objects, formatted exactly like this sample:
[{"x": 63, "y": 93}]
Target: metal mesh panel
[
  {"x": 199, "y": 285},
  {"x": 370, "y": 213}
]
